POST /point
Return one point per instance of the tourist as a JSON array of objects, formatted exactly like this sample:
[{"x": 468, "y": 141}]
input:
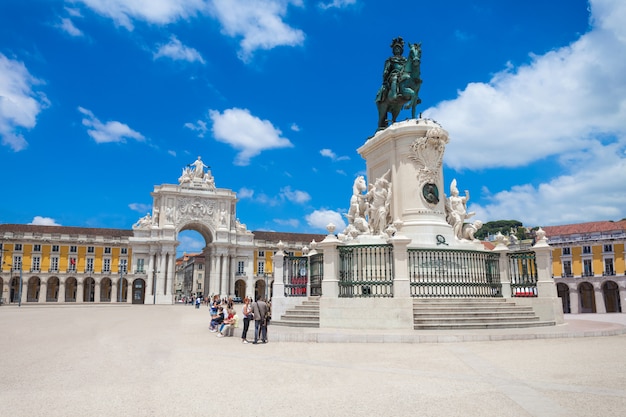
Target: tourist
[
  {"x": 229, "y": 325},
  {"x": 260, "y": 310},
  {"x": 228, "y": 316},
  {"x": 217, "y": 319},
  {"x": 247, "y": 316}
]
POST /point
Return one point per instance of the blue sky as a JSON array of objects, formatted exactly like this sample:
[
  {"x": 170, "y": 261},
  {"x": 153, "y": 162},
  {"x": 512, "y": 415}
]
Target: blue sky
[{"x": 100, "y": 100}]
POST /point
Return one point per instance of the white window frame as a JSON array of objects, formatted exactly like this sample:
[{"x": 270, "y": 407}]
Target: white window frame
[{"x": 35, "y": 264}]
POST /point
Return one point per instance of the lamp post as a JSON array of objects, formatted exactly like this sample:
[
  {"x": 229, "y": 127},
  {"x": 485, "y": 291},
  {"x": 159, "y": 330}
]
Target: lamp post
[
  {"x": 19, "y": 292},
  {"x": 154, "y": 285}
]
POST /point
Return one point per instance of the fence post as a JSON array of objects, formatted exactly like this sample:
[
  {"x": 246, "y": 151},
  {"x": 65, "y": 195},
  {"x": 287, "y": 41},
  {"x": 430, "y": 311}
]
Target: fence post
[
  {"x": 330, "y": 281},
  {"x": 278, "y": 263},
  {"x": 278, "y": 288},
  {"x": 505, "y": 278},
  {"x": 545, "y": 283},
  {"x": 401, "y": 282}
]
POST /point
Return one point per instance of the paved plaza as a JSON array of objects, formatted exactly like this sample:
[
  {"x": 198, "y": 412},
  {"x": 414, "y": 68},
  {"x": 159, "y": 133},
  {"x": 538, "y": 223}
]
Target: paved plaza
[{"x": 145, "y": 360}]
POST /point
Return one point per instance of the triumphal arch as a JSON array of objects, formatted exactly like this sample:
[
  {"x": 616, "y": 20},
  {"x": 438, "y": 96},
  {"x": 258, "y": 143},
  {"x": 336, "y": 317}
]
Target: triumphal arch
[{"x": 195, "y": 203}]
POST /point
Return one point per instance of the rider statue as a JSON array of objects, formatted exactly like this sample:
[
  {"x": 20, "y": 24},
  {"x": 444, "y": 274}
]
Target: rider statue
[
  {"x": 401, "y": 83},
  {"x": 394, "y": 69}
]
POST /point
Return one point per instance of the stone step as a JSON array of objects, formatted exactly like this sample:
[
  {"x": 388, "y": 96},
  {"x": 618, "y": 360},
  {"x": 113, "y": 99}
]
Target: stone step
[
  {"x": 469, "y": 326},
  {"x": 306, "y": 314},
  {"x": 302, "y": 313},
  {"x": 293, "y": 323},
  {"x": 479, "y": 315},
  {"x": 473, "y": 320},
  {"x": 467, "y": 313}
]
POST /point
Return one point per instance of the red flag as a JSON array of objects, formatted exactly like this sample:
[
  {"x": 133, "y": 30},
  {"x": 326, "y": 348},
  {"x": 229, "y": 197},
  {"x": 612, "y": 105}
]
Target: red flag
[{"x": 72, "y": 261}]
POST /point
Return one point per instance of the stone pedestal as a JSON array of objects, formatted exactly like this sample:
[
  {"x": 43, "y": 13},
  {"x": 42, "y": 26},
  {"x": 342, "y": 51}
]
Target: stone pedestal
[{"x": 413, "y": 153}]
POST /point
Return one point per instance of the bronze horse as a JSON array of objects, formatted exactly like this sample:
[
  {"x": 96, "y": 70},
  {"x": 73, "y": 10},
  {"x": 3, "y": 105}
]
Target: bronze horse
[{"x": 409, "y": 83}]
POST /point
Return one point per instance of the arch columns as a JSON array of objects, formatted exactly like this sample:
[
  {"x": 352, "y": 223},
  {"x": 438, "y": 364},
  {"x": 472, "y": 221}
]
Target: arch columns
[
  {"x": 43, "y": 291},
  {"x": 599, "y": 296},
  {"x": 574, "y": 299},
  {"x": 622, "y": 295},
  {"x": 97, "y": 291}
]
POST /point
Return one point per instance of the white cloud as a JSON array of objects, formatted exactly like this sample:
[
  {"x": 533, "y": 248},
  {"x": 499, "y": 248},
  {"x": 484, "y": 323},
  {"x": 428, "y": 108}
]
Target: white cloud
[
  {"x": 336, "y": 4},
  {"x": 321, "y": 218},
  {"x": 246, "y": 133},
  {"x": 295, "y": 127},
  {"x": 593, "y": 191},
  {"x": 328, "y": 153},
  {"x": 19, "y": 104},
  {"x": 557, "y": 103},
  {"x": 175, "y": 50},
  {"x": 161, "y": 12},
  {"x": 245, "y": 193},
  {"x": 190, "y": 242},
  {"x": 73, "y": 12},
  {"x": 199, "y": 126},
  {"x": 258, "y": 22},
  {"x": 68, "y": 27},
  {"x": 44, "y": 221},
  {"x": 111, "y": 131},
  {"x": 171, "y": 152},
  {"x": 140, "y": 207},
  {"x": 295, "y": 196},
  {"x": 568, "y": 105}
]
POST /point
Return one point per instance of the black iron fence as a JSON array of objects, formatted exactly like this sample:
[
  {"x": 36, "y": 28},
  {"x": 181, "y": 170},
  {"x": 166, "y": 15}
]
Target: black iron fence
[
  {"x": 366, "y": 271},
  {"x": 523, "y": 273},
  {"x": 454, "y": 273},
  {"x": 295, "y": 275},
  {"x": 316, "y": 263}
]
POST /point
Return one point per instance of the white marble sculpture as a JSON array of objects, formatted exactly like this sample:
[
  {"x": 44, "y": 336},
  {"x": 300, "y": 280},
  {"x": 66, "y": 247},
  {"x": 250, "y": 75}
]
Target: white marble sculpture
[
  {"x": 469, "y": 229},
  {"x": 144, "y": 222},
  {"x": 193, "y": 175},
  {"x": 369, "y": 212},
  {"x": 379, "y": 200},
  {"x": 456, "y": 210}
]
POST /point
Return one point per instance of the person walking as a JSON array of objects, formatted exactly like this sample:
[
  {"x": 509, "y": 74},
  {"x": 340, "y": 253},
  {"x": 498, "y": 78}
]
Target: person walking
[
  {"x": 247, "y": 316},
  {"x": 260, "y": 309}
]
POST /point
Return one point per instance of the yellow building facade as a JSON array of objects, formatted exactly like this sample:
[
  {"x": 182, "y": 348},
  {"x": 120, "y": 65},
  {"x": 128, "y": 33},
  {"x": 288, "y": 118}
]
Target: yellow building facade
[
  {"x": 67, "y": 264},
  {"x": 589, "y": 265}
]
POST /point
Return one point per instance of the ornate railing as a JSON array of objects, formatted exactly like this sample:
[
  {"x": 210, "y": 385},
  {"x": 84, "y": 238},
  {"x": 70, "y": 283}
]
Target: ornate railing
[
  {"x": 366, "y": 271},
  {"x": 523, "y": 273},
  {"x": 454, "y": 273},
  {"x": 295, "y": 275},
  {"x": 316, "y": 263}
]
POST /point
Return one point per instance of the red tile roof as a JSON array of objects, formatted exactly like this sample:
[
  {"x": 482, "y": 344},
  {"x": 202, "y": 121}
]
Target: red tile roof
[
  {"x": 64, "y": 230},
  {"x": 585, "y": 228},
  {"x": 305, "y": 238}
]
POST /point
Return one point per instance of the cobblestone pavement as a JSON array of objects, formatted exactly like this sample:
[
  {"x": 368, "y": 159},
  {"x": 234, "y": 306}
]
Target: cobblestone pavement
[{"x": 162, "y": 361}]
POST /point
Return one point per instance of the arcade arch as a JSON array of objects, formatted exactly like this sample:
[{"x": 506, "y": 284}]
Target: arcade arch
[
  {"x": 52, "y": 291},
  {"x": 610, "y": 292}
]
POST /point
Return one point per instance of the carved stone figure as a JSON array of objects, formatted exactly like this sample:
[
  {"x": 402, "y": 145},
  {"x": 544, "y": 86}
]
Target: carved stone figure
[
  {"x": 358, "y": 205},
  {"x": 198, "y": 168},
  {"x": 470, "y": 229},
  {"x": 379, "y": 198},
  {"x": 401, "y": 82},
  {"x": 222, "y": 217},
  {"x": 186, "y": 177},
  {"x": 456, "y": 210},
  {"x": 169, "y": 215},
  {"x": 144, "y": 222}
]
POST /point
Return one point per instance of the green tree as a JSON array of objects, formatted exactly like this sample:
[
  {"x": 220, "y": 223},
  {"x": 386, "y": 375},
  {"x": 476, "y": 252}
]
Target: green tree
[{"x": 502, "y": 226}]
